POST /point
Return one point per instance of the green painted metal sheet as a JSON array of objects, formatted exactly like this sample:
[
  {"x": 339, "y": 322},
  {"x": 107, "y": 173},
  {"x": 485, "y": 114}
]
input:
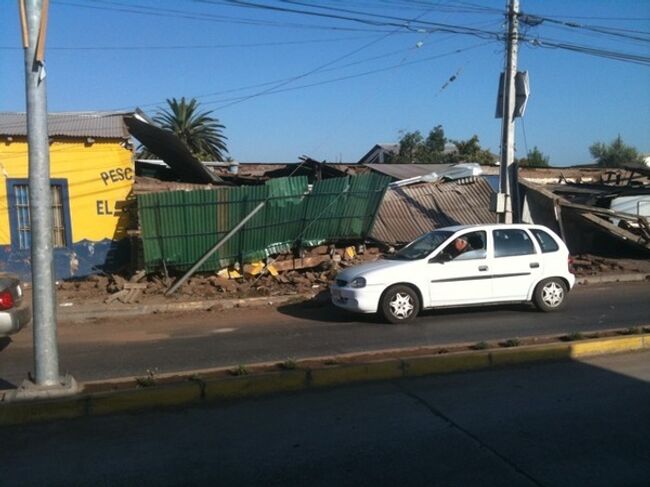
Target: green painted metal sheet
[{"x": 178, "y": 227}]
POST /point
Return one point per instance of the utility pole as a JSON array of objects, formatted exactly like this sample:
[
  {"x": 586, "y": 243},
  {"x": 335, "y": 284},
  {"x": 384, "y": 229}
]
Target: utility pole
[
  {"x": 47, "y": 381},
  {"x": 508, "y": 171}
]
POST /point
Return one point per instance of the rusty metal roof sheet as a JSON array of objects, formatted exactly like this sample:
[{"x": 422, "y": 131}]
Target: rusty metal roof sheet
[
  {"x": 408, "y": 212},
  {"x": 101, "y": 125},
  {"x": 169, "y": 147}
]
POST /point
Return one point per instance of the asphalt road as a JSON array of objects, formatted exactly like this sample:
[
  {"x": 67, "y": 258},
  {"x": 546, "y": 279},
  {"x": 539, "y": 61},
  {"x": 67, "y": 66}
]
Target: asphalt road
[
  {"x": 179, "y": 342},
  {"x": 554, "y": 424}
]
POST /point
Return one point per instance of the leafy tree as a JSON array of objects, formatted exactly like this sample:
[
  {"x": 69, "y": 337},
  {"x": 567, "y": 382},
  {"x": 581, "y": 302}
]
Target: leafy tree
[
  {"x": 534, "y": 158},
  {"x": 414, "y": 148},
  {"x": 201, "y": 133},
  {"x": 470, "y": 150},
  {"x": 436, "y": 140},
  {"x": 410, "y": 145},
  {"x": 615, "y": 154}
]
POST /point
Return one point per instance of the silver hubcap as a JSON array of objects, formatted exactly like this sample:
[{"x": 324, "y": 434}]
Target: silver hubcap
[
  {"x": 552, "y": 294},
  {"x": 401, "y": 306}
]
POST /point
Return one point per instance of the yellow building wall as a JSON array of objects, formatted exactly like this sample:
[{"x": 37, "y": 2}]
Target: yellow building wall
[{"x": 99, "y": 176}]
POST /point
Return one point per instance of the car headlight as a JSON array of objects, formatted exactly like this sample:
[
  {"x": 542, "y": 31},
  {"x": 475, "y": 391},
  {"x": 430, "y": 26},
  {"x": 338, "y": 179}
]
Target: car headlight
[{"x": 358, "y": 282}]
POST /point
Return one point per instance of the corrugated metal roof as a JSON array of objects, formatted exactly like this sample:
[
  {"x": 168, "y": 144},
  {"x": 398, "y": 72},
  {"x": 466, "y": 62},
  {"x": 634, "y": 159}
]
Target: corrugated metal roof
[
  {"x": 102, "y": 125},
  {"x": 408, "y": 212},
  {"x": 405, "y": 171}
]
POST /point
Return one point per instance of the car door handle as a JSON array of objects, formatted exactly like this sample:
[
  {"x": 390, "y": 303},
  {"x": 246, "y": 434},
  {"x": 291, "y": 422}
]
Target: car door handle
[
  {"x": 534, "y": 265},
  {"x": 482, "y": 268}
]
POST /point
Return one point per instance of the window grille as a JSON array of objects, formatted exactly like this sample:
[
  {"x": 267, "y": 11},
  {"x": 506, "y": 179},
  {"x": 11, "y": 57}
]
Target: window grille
[{"x": 23, "y": 216}]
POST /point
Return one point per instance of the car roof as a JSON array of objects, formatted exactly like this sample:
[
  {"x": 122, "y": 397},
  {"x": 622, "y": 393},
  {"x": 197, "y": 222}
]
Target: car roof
[{"x": 458, "y": 228}]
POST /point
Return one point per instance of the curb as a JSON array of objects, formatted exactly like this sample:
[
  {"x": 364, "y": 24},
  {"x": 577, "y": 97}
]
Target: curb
[
  {"x": 192, "y": 390},
  {"x": 82, "y": 313},
  {"x": 605, "y": 278}
]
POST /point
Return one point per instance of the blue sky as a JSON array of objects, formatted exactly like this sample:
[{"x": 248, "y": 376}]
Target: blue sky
[{"x": 117, "y": 54}]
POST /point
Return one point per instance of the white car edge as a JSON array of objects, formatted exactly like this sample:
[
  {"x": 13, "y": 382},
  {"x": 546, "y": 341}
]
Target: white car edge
[
  {"x": 15, "y": 311},
  {"x": 400, "y": 289}
]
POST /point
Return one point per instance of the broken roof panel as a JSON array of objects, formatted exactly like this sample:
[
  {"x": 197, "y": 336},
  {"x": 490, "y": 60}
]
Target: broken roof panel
[
  {"x": 584, "y": 228},
  {"x": 406, "y": 171},
  {"x": 380, "y": 153},
  {"x": 169, "y": 148},
  {"x": 408, "y": 212},
  {"x": 99, "y": 125}
]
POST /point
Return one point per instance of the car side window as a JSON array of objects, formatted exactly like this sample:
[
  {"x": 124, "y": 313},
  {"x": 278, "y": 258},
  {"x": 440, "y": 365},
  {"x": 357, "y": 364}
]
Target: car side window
[
  {"x": 511, "y": 242},
  {"x": 469, "y": 246},
  {"x": 546, "y": 242}
]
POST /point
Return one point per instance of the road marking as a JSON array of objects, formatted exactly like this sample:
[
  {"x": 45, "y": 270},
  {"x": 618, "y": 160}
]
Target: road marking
[{"x": 224, "y": 330}]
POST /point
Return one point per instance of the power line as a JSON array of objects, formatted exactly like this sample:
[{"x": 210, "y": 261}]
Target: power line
[
  {"x": 201, "y": 16},
  {"x": 374, "y": 19},
  {"x": 234, "y": 101},
  {"x": 535, "y": 20},
  {"x": 613, "y": 19},
  {"x": 317, "y": 69},
  {"x": 197, "y": 46},
  {"x": 277, "y": 88},
  {"x": 593, "y": 51}
]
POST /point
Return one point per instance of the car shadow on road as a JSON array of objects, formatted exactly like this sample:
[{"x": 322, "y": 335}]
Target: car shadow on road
[
  {"x": 4, "y": 342},
  {"x": 322, "y": 310},
  {"x": 325, "y": 312},
  {"x": 6, "y": 385}
]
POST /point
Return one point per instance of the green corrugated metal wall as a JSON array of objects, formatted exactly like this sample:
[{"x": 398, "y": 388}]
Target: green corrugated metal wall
[{"x": 178, "y": 227}]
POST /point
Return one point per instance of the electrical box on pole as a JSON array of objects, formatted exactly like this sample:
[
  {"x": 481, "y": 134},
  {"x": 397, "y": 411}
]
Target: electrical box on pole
[{"x": 522, "y": 92}]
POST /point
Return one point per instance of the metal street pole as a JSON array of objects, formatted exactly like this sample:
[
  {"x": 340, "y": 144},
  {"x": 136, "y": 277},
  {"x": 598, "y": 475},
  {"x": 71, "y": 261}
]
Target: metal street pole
[
  {"x": 508, "y": 177},
  {"x": 46, "y": 357}
]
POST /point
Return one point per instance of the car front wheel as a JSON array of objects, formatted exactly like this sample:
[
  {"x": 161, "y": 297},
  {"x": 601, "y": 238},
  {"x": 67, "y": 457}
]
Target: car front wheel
[
  {"x": 550, "y": 294},
  {"x": 399, "y": 304}
]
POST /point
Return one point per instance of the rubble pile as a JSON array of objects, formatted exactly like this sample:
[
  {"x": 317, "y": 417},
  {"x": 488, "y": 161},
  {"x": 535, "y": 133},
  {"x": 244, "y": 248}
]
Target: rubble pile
[
  {"x": 285, "y": 274},
  {"x": 590, "y": 265},
  {"x": 311, "y": 271}
]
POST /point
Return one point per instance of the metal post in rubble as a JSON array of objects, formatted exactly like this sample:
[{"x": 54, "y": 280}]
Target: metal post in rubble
[
  {"x": 216, "y": 247},
  {"x": 507, "y": 173},
  {"x": 47, "y": 382}
]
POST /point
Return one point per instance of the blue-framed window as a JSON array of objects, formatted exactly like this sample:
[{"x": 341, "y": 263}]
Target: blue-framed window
[{"x": 20, "y": 218}]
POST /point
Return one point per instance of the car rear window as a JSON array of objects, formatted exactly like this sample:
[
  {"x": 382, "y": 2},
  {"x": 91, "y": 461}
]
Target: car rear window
[
  {"x": 512, "y": 242},
  {"x": 546, "y": 242}
]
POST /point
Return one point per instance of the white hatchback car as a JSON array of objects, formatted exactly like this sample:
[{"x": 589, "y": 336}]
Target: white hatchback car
[{"x": 458, "y": 266}]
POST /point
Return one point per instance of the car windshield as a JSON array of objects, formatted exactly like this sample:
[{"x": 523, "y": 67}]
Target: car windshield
[{"x": 423, "y": 246}]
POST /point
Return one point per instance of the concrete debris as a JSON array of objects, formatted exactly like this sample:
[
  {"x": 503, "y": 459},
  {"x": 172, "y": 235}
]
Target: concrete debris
[{"x": 138, "y": 276}]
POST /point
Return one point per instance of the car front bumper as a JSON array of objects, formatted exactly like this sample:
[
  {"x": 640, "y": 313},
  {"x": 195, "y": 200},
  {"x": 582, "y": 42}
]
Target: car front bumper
[
  {"x": 11, "y": 321},
  {"x": 363, "y": 300}
]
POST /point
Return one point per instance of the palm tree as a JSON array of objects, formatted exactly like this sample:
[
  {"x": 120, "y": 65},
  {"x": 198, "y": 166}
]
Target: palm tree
[{"x": 201, "y": 133}]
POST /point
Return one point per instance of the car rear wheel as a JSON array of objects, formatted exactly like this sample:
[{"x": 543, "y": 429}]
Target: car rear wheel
[
  {"x": 399, "y": 304},
  {"x": 550, "y": 294}
]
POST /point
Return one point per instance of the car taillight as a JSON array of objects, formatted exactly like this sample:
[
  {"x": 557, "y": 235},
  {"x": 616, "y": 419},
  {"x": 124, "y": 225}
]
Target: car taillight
[
  {"x": 6, "y": 300},
  {"x": 570, "y": 264}
]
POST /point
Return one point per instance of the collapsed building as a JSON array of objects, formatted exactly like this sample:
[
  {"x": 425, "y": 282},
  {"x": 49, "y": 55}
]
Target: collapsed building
[{"x": 305, "y": 219}]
